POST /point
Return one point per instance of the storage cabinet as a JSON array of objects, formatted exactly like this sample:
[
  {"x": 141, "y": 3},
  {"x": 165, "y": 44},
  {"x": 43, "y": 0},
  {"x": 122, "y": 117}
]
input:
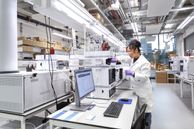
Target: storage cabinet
[{"x": 161, "y": 77}]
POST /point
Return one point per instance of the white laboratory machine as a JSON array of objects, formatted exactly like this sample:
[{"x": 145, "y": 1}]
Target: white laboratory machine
[
  {"x": 59, "y": 62},
  {"x": 23, "y": 91},
  {"x": 43, "y": 65},
  {"x": 104, "y": 80},
  {"x": 94, "y": 61},
  {"x": 104, "y": 76},
  {"x": 175, "y": 64},
  {"x": 104, "y": 92},
  {"x": 186, "y": 67}
]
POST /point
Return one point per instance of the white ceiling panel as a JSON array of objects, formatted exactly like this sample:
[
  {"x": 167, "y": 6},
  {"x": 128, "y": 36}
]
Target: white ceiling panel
[
  {"x": 153, "y": 29},
  {"x": 159, "y": 7},
  {"x": 150, "y": 38}
]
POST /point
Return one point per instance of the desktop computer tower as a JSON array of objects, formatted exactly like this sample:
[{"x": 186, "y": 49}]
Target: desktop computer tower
[{"x": 23, "y": 91}]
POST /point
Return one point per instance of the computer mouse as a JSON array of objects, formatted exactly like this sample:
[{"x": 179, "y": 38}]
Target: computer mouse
[{"x": 124, "y": 99}]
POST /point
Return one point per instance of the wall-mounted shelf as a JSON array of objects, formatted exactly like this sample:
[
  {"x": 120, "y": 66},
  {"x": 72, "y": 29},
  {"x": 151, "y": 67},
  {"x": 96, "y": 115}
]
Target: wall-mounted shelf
[{"x": 33, "y": 46}]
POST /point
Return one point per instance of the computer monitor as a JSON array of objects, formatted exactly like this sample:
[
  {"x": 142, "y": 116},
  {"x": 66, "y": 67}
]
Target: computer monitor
[{"x": 83, "y": 87}]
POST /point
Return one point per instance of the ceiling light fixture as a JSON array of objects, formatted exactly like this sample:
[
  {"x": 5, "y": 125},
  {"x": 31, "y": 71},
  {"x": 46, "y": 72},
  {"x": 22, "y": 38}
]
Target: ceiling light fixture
[
  {"x": 75, "y": 12},
  {"x": 134, "y": 3},
  {"x": 134, "y": 27},
  {"x": 167, "y": 26},
  {"x": 116, "y": 5},
  {"x": 61, "y": 35}
]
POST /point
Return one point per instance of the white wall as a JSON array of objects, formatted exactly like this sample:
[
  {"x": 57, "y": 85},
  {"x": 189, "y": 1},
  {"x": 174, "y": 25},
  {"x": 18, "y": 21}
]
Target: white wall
[
  {"x": 180, "y": 40},
  {"x": 179, "y": 45},
  {"x": 188, "y": 31}
]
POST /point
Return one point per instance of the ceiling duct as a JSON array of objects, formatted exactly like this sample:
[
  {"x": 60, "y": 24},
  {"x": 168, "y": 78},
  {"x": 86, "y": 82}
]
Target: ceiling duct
[
  {"x": 180, "y": 5},
  {"x": 115, "y": 6},
  {"x": 23, "y": 6}
]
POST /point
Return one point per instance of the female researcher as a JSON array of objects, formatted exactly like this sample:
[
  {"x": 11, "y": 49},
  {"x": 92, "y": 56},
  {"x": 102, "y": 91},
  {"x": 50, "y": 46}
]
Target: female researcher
[{"x": 139, "y": 73}]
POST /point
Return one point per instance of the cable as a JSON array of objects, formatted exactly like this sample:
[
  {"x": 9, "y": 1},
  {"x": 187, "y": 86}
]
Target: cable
[
  {"x": 48, "y": 111},
  {"x": 52, "y": 69},
  {"x": 50, "y": 62}
]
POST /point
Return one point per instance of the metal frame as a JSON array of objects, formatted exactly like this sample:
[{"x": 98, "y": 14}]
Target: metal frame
[
  {"x": 53, "y": 123},
  {"x": 191, "y": 83},
  {"x": 22, "y": 117}
]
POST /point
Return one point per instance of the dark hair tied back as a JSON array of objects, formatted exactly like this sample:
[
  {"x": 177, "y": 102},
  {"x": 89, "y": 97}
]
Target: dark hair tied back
[{"x": 134, "y": 44}]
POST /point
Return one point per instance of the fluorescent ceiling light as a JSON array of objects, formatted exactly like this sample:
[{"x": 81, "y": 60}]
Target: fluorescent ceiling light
[
  {"x": 134, "y": 27},
  {"x": 61, "y": 35},
  {"x": 116, "y": 41},
  {"x": 29, "y": 1},
  {"x": 73, "y": 10},
  {"x": 104, "y": 30},
  {"x": 82, "y": 16},
  {"x": 116, "y": 5},
  {"x": 80, "y": 3},
  {"x": 97, "y": 31},
  {"x": 169, "y": 26},
  {"x": 185, "y": 22},
  {"x": 134, "y": 3},
  {"x": 139, "y": 13},
  {"x": 139, "y": 33},
  {"x": 67, "y": 11}
]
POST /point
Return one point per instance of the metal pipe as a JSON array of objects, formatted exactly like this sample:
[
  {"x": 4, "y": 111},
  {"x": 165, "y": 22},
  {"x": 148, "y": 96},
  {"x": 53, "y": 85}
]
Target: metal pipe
[
  {"x": 121, "y": 15},
  {"x": 179, "y": 6},
  {"x": 38, "y": 22},
  {"x": 122, "y": 11},
  {"x": 182, "y": 9},
  {"x": 153, "y": 34},
  {"x": 144, "y": 12}
]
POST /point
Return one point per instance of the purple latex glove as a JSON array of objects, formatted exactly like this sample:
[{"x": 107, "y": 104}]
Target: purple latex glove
[
  {"x": 113, "y": 60},
  {"x": 129, "y": 73}
]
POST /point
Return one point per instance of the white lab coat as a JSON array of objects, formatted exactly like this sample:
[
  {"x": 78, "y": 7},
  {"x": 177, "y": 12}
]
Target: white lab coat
[{"x": 141, "y": 82}]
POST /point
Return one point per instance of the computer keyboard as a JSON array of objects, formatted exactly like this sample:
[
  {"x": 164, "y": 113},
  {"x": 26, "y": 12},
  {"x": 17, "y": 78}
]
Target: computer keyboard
[{"x": 113, "y": 110}]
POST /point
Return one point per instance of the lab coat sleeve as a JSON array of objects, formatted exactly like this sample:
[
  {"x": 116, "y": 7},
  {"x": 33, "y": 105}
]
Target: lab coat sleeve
[{"x": 144, "y": 73}]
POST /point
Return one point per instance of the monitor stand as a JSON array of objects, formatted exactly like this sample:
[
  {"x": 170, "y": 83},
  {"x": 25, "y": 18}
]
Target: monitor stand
[{"x": 82, "y": 107}]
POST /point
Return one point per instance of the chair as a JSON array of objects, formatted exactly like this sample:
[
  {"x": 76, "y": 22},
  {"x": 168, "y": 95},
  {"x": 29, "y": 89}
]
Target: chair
[{"x": 140, "y": 122}]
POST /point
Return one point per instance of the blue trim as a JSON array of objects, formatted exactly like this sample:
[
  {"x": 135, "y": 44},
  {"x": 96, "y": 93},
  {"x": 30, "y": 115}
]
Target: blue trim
[
  {"x": 59, "y": 114},
  {"x": 71, "y": 116}
]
